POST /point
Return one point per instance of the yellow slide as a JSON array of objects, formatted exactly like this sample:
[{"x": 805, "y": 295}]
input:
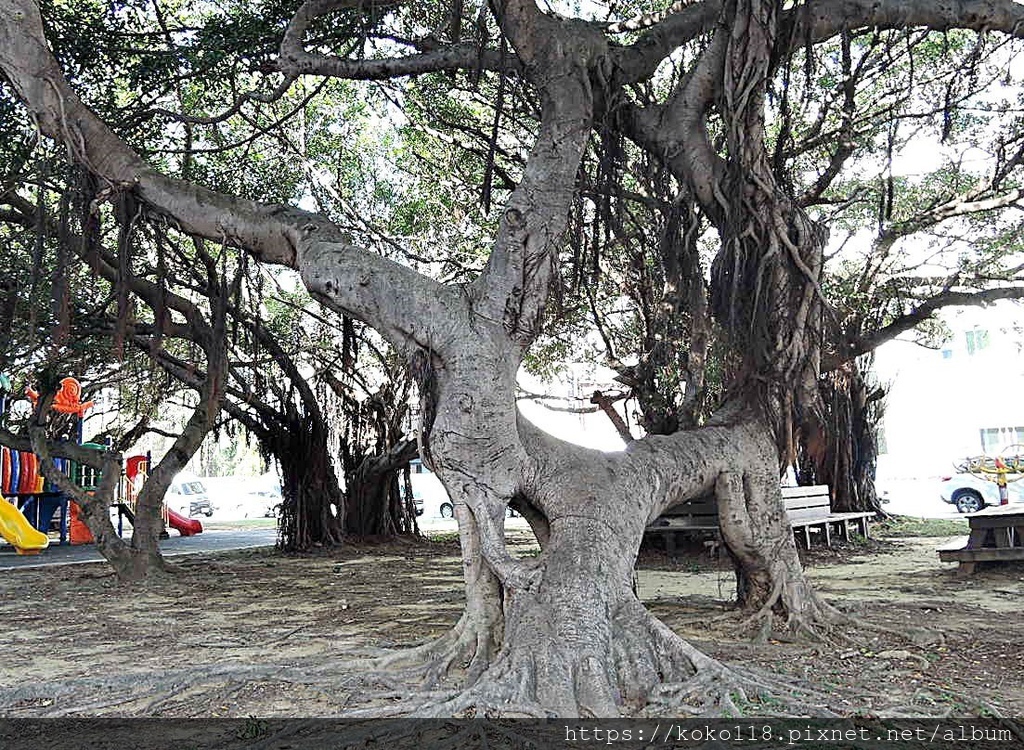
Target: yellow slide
[{"x": 16, "y": 529}]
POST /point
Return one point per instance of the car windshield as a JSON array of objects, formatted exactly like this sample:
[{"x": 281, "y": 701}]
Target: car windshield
[{"x": 192, "y": 488}]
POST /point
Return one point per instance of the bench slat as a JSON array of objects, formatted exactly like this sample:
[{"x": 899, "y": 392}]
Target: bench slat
[
  {"x": 807, "y": 502},
  {"x": 851, "y": 515},
  {"x": 812, "y": 491},
  {"x": 810, "y": 520}
]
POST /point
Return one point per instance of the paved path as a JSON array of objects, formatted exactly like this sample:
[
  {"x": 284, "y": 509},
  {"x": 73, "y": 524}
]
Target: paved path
[{"x": 208, "y": 541}]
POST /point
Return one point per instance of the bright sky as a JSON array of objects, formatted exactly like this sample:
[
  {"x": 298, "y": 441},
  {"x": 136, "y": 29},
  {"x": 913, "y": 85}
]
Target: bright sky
[{"x": 592, "y": 430}]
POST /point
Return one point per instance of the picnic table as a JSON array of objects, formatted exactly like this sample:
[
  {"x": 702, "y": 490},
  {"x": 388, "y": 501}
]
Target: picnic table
[{"x": 997, "y": 533}]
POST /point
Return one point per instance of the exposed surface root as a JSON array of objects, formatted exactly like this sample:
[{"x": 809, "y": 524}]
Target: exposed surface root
[
  {"x": 818, "y": 621},
  {"x": 807, "y": 615},
  {"x": 464, "y": 650},
  {"x": 139, "y": 694},
  {"x": 649, "y": 670},
  {"x": 714, "y": 688},
  {"x": 730, "y": 691}
]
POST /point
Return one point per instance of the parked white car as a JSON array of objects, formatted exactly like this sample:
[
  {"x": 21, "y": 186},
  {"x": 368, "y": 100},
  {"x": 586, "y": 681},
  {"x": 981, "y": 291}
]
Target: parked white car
[
  {"x": 429, "y": 497},
  {"x": 970, "y": 493},
  {"x": 187, "y": 495},
  {"x": 261, "y": 503}
]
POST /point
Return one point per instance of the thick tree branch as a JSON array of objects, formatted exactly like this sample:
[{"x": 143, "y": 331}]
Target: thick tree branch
[
  {"x": 973, "y": 202},
  {"x": 295, "y": 60},
  {"x": 871, "y": 341},
  {"x": 824, "y": 19},
  {"x": 606, "y": 403},
  {"x": 361, "y": 283},
  {"x": 818, "y": 21},
  {"x": 639, "y": 60},
  {"x": 678, "y": 132},
  {"x": 513, "y": 287},
  {"x": 431, "y": 57},
  {"x": 76, "y": 453}
]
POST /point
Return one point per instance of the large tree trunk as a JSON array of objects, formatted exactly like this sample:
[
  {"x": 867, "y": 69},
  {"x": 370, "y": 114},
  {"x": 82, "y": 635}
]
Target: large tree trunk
[
  {"x": 769, "y": 577},
  {"x": 843, "y": 451},
  {"x": 376, "y": 503},
  {"x": 313, "y": 507},
  {"x": 130, "y": 563},
  {"x": 564, "y": 633}
]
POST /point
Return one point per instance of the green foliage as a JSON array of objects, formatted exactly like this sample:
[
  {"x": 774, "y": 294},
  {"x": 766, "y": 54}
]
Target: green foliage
[{"x": 418, "y": 168}]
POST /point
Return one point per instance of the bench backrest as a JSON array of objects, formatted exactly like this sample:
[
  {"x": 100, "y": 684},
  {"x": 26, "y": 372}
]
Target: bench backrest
[
  {"x": 799, "y": 502},
  {"x": 701, "y": 512},
  {"x": 815, "y": 498}
]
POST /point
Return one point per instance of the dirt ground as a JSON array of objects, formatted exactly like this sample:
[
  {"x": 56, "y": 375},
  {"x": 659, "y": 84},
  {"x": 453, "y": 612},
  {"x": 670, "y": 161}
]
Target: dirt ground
[{"x": 258, "y": 633}]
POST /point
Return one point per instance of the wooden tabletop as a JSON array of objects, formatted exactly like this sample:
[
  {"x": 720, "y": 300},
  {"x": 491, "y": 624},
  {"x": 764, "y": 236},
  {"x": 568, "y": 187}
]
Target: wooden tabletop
[{"x": 999, "y": 510}]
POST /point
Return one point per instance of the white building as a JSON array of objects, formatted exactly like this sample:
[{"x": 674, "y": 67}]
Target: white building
[{"x": 964, "y": 399}]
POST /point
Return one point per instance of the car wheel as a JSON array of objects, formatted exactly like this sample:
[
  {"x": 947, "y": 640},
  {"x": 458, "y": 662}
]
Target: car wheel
[
  {"x": 447, "y": 511},
  {"x": 208, "y": 513},
  {"x": 968, "y": 501}
]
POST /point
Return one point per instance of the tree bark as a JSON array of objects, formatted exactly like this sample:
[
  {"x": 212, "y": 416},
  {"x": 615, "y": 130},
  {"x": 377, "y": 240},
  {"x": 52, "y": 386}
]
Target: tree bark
[
  {"x": 131, "y": 562},
  {"x": 313, "y": 505},
  {"x": 128, "y": 565},
  {"x": 567, "y": 634}
]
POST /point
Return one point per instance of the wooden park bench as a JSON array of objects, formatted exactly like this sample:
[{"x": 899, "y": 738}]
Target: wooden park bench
[{"x": 807, "y": 508}]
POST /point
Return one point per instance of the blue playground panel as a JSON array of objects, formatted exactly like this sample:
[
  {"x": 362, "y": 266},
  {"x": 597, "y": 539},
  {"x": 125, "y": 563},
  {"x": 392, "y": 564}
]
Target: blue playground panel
[
  {"x": 15, "y": 470},
  {"x": 39, "y": 510}
]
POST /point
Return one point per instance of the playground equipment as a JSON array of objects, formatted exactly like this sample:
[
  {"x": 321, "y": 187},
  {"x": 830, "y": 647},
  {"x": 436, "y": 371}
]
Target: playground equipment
[
  {"x": 67, "y": 400},
  {"x": 24, "y": 523},
  {"x": 1009, "y": 463},
  {"x": 16, "y": 529},
  {"x": 21, "y": 479},
  {"x": 136, "y": 469}
]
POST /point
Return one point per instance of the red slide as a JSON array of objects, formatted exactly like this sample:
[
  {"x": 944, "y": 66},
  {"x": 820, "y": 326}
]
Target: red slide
[{"x": 185, "y": 526}]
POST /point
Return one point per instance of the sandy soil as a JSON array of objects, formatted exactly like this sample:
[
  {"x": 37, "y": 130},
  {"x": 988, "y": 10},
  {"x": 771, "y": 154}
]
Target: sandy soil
[{"x": 257, "y": 633}]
